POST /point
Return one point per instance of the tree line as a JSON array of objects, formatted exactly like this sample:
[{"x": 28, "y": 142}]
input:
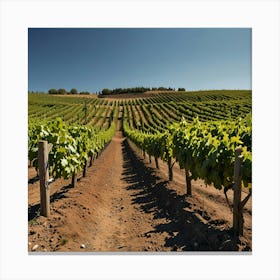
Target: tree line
[
  {"x": 63, "y": 91},
  {"x": 107, "y": 91}
]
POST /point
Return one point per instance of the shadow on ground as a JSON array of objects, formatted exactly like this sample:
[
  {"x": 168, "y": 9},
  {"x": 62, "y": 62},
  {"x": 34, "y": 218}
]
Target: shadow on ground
[
  {"x": 186, "y": 232},
  {"x": 34, "y": 210},
  {"x": 33, "y": 180}
]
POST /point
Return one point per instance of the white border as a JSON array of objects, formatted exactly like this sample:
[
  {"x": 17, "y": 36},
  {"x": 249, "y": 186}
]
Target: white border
[{"x": 17, "y": 16}]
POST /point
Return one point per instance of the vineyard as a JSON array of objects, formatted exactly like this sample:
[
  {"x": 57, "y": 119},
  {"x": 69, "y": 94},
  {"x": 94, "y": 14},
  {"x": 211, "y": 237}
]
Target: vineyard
[{"x": 153, "y": 142}]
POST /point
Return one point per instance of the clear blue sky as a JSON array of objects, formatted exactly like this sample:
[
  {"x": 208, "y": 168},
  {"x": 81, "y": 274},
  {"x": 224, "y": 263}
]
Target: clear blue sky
[{"x": 91, "y": 59}]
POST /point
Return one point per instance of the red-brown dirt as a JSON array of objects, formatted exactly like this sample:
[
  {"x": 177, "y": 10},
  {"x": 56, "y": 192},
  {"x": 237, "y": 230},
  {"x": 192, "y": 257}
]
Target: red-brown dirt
[{"x": 125, "y": 204}]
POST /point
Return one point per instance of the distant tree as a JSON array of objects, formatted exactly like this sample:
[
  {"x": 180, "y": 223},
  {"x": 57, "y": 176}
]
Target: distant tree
[
  {"x": 84, "y": 93},
  {"x": 61, "y": 91},
  {"x": 52, "y": 91},
  {"x": 181, "y": 89},
  {"x": 106, "y": 91},
  {"x": 73, "y": 91}
]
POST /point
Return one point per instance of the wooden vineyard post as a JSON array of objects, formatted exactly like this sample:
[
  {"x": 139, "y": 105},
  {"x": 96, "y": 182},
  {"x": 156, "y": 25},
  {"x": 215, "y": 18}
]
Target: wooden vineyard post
[
  {"x": 74, "y": 180},
  {"x": 85, "y": 169},
  {"x": 188, "y": 182},
  {"x": 43, "y": 155},
  {"x": 170, "y": 171},
  {"x": 91, "y": 160},
  {"x": 156, "y": 161},
  {"x": 237, "y": 209}
]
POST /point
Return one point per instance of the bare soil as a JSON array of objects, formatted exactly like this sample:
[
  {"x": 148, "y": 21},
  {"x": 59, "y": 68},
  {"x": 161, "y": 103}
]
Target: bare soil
[{"x": 125, "y": 204}]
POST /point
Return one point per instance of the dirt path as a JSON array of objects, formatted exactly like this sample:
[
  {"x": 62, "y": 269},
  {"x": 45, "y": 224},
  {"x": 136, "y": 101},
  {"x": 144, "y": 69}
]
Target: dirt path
[
  {"x": 124, "y": 204},
  {"x": 99, "y": 213},
  {"x": 119, "y": 224}
]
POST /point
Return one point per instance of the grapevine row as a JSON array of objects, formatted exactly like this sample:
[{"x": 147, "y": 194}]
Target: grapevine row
[
  {"x": 72, "y": 146},
  {"x": 206, "y": 150}
]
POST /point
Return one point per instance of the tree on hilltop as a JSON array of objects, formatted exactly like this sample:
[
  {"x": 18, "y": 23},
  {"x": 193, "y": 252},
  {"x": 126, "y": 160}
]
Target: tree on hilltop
[
  {"x": 52, "y": 91},
  {"x": 106, "y": 91},
  {"x": 61, "y": 91},
  {"x": 73, "y": 91}
]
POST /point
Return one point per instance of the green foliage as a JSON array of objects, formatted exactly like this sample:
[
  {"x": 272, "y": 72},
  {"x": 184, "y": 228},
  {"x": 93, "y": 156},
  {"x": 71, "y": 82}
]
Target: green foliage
[
  {"x": 52, "y": 91},
  {"x": 206, "y": 149},
  {"x": 115, "y": 91},
  {"x": 106, "y": 91},
  {"x": 64, "y": 241},
  {"x": 61, "y": 91},
  {"x": 71, "y": 145},
  {"x": 73, "y": 91},
  {"x": 204, "y": 146}
]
